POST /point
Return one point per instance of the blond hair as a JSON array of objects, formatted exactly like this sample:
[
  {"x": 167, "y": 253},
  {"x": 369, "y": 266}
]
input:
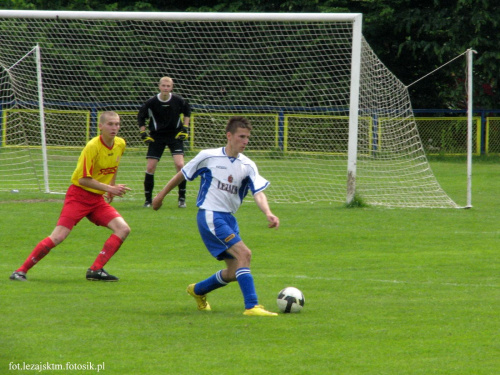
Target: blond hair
[
  {"x": 104, "y": 116},
  {"x": 166, "y": 79}
]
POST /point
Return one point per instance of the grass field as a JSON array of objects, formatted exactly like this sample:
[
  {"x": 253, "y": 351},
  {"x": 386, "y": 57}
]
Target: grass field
[{"x": 388, "y": 291}]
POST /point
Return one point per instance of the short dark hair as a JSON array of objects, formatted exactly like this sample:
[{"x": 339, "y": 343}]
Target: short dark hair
[{"x": 236, "y": 122}]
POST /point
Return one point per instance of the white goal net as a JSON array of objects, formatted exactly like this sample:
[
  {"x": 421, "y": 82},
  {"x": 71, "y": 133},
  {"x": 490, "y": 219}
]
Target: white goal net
[{"x": 294, "y": 76}]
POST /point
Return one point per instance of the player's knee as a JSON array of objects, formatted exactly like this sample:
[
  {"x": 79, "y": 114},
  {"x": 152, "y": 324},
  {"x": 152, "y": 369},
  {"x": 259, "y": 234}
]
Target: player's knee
[
  {"x": 124, "y": 231},
  {"x": 151, "y": 166},
  {"x": 58, "y": 238},
  {"x": 121, "y": 229},
  {"x": 245, "y": 256},
  {"x": 59, "y": 234}
]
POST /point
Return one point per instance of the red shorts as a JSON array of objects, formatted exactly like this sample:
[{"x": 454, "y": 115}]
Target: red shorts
[{"x": 80, "y": 203}]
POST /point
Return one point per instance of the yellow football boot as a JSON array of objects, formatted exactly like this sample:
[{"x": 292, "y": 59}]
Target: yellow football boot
[
  {"x": 200, "y": 300},
  {"x": 258, "y": 310}
]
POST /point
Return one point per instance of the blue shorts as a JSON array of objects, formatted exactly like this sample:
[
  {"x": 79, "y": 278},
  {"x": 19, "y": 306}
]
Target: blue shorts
[{"x": 219, "y": 231}]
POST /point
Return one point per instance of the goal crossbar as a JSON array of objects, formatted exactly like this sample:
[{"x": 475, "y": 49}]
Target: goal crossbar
[{"x": 182, "y": 16}]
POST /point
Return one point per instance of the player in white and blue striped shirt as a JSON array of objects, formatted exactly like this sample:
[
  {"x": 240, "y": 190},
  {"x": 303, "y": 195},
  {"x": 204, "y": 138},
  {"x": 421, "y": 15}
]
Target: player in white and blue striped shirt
[{"x": 226, "y": 176}]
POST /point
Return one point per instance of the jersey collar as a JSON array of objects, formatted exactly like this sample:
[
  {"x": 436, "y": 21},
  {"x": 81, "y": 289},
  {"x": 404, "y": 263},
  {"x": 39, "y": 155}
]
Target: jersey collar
[
  {"x": 104, "y": 144},
  {"x": 232, "y": 158},
  {"x": 164, "y": 101}
]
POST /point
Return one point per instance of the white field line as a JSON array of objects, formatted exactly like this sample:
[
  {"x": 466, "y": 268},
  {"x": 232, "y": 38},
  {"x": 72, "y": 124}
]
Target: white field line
[{"x": 201, "y": 274}]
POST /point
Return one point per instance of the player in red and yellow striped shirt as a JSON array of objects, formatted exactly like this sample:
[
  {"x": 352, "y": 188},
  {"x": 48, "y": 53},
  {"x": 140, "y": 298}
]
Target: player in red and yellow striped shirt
[{"x": 94, "y": 177}]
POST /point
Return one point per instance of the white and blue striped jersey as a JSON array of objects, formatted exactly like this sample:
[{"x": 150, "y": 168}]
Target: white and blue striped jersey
[{"x": 225, "y": 180}]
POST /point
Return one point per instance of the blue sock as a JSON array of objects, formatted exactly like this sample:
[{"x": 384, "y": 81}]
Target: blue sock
[
  {"x": 213, "y": 282},
  {"x": 247, "y": 286}
]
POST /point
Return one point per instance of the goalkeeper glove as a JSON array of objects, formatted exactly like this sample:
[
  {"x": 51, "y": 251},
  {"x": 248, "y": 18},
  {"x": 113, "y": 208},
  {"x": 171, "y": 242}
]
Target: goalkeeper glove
[
  {"x": 183, "y": 134},
  {"x": 146, "y": 138}
]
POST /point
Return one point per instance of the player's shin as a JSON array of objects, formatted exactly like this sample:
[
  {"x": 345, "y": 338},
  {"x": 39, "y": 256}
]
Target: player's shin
[
  {"x": 38, "y": 253},
  {"x": 110, "y": 247},
  {"x": 213, "y": 282},
  {"x": 247, "y": 286},
  {"x": 149, "y": 184}
]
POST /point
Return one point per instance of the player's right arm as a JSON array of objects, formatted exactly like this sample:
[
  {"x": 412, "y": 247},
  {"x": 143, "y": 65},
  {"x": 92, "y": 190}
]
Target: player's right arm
[
  {"x": 174, "y": 182},
  {"x": 142, "y": 117}
]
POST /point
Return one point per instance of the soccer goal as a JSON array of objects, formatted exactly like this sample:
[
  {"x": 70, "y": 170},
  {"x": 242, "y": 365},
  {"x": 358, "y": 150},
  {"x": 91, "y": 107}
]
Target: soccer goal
[{"x": 330, "y": 120}]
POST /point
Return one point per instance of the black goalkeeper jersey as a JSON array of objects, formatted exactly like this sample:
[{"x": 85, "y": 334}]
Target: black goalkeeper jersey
[{"x": 164, "y": 116}]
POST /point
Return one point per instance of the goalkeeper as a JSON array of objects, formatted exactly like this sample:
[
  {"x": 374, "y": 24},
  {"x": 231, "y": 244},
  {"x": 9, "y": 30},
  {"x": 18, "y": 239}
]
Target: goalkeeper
[{"x": 164, "y": 128}]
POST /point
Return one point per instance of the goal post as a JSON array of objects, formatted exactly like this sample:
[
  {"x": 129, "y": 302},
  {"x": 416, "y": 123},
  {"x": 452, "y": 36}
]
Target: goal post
[
  {"x": 470, "y": 109},
  {"x": 43, "y": 143},
  {"x": 330, "y": 120},
  {"x": 352, "y": 149}
]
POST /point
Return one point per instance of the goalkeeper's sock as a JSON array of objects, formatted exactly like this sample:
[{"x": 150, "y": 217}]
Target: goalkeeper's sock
[
  {"x": 247, "y": 286},
  {"x": 111, "y": 246},
  {"x": 149, "y": 184},
  {"x": 40, "y": 250},
  {"x": 213, "y": 282},
  {"x": 182, "y": 190}
]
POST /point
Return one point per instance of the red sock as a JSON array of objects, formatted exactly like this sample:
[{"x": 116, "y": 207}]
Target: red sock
[
  {"x": 40, "y": 250},
  {"x": 111, "y": 246}
]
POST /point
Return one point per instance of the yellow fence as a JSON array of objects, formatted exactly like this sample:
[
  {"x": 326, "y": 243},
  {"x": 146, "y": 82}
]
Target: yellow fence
[
  {"x": 492, "y": 135},
  {"x": 448, "y": 135},
  {"x": 271, "y": 131}
]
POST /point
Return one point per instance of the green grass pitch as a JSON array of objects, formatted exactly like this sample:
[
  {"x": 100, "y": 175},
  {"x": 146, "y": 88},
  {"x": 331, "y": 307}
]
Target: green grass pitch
[{"x": 388, "y": 291}]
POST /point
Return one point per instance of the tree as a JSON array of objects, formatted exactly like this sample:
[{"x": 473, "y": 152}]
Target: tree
[
  {"x": 414, "y": 38},
  {"x": 411, "y": 37}
]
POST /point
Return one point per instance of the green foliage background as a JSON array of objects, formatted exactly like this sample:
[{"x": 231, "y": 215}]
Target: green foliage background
[{"x": 411, "y": 38}]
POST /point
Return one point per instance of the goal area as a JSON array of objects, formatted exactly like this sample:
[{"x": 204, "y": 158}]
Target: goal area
[{"x": 330, "y": 122}]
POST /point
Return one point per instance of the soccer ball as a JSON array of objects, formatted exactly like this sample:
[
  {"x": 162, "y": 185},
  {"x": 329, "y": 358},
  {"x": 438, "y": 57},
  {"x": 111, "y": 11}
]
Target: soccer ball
[{"x": 290, "y": 300}]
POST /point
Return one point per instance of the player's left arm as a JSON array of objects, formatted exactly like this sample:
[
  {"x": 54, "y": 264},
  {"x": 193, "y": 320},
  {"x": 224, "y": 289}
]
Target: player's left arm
[
  {"x": 114, "y": 190},
  {"x": 109, "y": 196},
  {"x": 187, "y": 120},
  {"x": 183, "y": 135},
  {"x": 186, "y": 112},
  {"x": 261, "y": 200}
]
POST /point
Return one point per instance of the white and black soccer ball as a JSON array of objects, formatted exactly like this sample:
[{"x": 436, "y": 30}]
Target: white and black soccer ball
[{"x": 290, "y": 300}]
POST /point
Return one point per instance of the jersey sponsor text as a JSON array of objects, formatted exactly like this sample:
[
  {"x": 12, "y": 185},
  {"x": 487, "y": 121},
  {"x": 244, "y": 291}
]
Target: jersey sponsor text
[{"x": 233, "y": 189}]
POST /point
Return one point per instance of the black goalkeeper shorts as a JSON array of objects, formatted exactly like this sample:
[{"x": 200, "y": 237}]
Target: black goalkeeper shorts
[{"x": 156, "y": 148}]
